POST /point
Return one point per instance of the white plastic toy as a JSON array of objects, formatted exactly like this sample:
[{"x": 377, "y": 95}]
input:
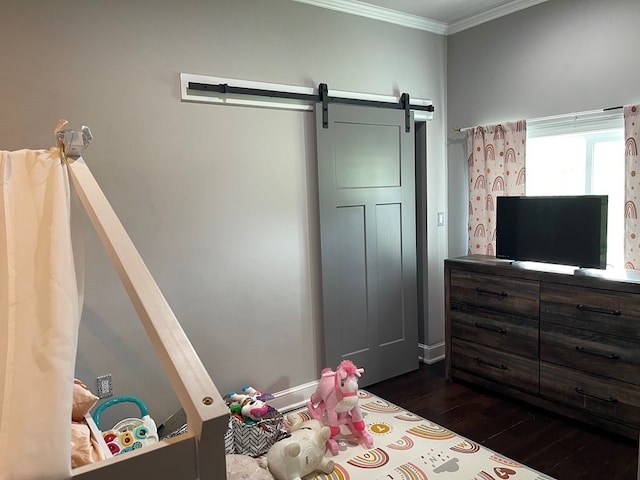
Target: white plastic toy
[
  {"x": 300, "y": 454},
  {"x": 130, "y": 433}
]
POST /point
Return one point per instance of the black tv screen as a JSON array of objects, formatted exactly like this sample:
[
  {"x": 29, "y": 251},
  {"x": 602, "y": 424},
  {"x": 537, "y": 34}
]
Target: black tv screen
[{"x": 566, "y": 230}]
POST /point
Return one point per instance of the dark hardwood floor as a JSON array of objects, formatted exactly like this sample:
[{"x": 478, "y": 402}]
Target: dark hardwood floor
[{"x": 549, "y": 443}]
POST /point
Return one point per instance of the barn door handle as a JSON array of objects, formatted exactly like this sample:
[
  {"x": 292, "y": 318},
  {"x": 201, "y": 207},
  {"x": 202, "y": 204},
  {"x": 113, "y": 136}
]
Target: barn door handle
[
  {"x": 610, "y": 356},
  {"x": 490, "y": 292},
  {"x": 582, "y": 391},
  {"x": 606, "y": 311},
  {"x": 499, "y": 366},
  {"x": 491, "y": 328}
]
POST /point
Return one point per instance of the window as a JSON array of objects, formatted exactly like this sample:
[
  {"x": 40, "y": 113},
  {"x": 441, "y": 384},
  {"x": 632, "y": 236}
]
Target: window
[{"x": 581, "y": 155}]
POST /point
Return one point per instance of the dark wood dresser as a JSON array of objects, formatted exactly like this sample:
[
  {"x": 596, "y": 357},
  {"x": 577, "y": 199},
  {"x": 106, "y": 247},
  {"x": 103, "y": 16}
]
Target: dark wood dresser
[{"x": 563, "y": 340}]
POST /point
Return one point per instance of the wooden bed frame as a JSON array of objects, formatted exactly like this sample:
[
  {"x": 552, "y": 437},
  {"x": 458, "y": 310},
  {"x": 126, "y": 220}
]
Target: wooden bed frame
[{"x": 199, "y": 453}]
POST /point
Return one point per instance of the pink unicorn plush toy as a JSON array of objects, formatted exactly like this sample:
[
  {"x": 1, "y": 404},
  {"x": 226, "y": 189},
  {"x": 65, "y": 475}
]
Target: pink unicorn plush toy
[{"x": 337, "y": 395}]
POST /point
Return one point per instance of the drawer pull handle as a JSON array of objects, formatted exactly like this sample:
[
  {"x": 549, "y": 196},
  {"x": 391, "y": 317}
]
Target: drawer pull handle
[
  {"x": 490, "y": 364},
  {"x": 489, "y": 292},
  {"x": 491, "y": 328},
  {"x": 606, "y": 311},
  {"x": 610, "y": 356},
  {"x": 582, "y": 391}
]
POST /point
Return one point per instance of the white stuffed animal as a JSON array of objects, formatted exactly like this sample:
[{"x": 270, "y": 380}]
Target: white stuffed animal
[{"x": 300, "y": 454}]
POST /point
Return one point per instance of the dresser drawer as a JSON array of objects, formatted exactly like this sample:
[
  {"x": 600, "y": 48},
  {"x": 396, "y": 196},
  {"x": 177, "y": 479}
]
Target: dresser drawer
[
  {"x": 604, "y": 397},
  {"x": 592, "y": 352},
  {"x": 502, "y": 367},
  {"x": 511, "y": 333},
  {"x": 605, "y": 311},
  {"x": 506, "y": 294}
]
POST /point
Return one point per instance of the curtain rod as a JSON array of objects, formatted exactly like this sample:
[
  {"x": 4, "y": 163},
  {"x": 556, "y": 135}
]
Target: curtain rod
[{"x": 542, "y": 119}]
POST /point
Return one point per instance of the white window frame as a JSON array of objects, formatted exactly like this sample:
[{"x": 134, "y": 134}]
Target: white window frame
[{"x": 599, "y": 126}]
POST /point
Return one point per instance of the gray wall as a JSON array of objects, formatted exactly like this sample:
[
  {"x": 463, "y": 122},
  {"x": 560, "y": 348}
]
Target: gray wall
[
  {"x": 560, "y": 56},
  {"x": 220, "y": 201}
]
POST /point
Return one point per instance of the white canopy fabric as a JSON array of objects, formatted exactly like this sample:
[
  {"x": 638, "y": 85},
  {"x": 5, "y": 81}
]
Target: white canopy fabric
[{"x": 40, "y": 306}]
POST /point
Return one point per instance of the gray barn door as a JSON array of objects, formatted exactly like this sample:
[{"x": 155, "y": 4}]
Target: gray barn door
[{"x": 366, "y": 185}]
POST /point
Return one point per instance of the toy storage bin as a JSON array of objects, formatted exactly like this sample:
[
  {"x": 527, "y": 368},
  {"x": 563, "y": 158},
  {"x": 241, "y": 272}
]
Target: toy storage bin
[{"x": 254, "y": 440}]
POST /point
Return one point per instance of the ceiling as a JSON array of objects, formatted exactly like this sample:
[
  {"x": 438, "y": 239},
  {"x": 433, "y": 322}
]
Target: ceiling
[{"x": 437, "y": 16}]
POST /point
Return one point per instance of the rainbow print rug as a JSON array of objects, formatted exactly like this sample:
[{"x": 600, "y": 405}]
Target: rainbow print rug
[{"x": 409, "y": 447}]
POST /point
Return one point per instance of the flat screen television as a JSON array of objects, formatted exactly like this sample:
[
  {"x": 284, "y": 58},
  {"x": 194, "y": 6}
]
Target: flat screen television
[{"x": 566, "y": 230}]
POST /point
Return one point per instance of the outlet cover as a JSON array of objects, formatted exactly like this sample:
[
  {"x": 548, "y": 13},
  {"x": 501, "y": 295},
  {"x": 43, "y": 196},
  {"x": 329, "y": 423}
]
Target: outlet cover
[{"x": 104, "y": 386}]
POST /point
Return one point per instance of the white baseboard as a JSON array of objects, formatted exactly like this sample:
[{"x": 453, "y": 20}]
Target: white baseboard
[
  {"x": 294, "y": 397},
  {"x": 431, "y": 354}
]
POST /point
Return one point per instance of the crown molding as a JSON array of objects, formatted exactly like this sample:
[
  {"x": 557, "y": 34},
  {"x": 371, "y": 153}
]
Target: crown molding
[
  {"x": 354, "y": 7},
  {"x": 362, "y": 9},
  {"x": 492, "y": 14}
]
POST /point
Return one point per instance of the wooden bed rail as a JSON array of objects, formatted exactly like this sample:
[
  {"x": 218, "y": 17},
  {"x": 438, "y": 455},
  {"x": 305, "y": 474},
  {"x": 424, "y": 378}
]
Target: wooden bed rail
[{"x": 207, "y": 413}]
